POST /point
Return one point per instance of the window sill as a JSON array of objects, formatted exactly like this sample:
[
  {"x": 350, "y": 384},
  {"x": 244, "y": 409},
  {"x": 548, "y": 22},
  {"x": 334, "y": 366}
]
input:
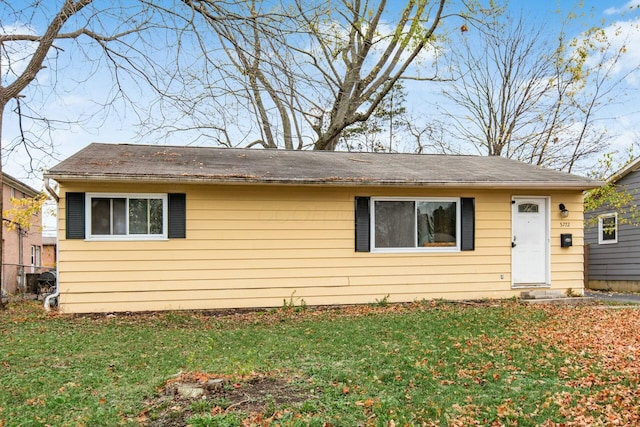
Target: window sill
[
  {"x": 126, "y": 239},
  {"x": 420, "y": 250}
]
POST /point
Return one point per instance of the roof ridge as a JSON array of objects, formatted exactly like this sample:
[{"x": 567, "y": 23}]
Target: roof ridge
[{"x": 175, "y": 163}]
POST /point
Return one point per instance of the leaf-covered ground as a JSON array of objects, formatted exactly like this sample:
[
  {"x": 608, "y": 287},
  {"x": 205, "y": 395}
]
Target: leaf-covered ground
[{"x": 496, "y": 363}]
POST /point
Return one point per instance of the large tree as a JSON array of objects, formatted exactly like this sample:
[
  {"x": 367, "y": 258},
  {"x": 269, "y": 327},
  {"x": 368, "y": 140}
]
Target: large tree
[
  {"x": 380, "y": 131},
  {"x": 298, "y": 73},
  {"x": 523, "y": 92},
  {"x": 69, "y": 41}
]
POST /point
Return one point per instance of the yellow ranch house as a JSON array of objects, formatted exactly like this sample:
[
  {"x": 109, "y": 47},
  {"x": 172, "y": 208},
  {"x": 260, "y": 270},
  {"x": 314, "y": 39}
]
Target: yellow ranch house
[{"x": 148, "y": 227}]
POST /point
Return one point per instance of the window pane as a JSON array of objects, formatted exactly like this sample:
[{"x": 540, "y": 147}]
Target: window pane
[
  {"x": 395, "y": 224},
  {"x": 436, "y": 224},
  {"x": 609, "y": 228},
  {"x": 528, "y": 208},
  {"x": 155, "y": 216},
  {"x": 119, "y": 216},
  {"x": 138, "y": 214},
  {"x": 100, "y": 216}
]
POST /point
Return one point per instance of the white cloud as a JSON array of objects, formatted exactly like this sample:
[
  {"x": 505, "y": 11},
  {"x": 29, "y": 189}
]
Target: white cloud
[
  {"x": 630, "y": 5},
  {"x": 621, "y": 35},
  {"x": 74, "y": 100},
  {"x": 16, "y": 54}
]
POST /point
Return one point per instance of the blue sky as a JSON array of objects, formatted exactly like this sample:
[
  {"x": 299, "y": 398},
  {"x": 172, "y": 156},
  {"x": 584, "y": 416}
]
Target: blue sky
[{"x": 117, "y": 124}]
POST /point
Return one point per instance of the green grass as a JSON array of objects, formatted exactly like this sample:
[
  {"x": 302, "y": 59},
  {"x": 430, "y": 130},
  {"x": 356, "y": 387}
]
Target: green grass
[{"x": 424, "y": 364}]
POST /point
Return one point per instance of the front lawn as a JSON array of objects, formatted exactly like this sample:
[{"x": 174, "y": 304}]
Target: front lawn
[{"x": 429, "y": 363}]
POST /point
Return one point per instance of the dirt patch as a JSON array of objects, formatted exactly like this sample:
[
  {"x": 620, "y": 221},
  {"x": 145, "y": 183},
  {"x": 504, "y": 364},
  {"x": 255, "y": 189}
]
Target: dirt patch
[{"x": 197, "y": 393}]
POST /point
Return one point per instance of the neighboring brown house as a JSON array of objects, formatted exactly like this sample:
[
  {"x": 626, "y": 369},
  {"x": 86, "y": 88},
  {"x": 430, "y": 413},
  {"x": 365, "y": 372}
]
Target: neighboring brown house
[{"x": 22, "y": 249}]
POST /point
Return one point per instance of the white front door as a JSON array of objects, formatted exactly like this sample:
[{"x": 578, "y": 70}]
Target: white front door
[{"x": 530, "y": 241}]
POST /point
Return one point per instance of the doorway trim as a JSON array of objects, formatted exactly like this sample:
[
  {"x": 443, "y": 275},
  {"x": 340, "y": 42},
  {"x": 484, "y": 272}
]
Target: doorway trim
[{"x": 547, "y": 237}]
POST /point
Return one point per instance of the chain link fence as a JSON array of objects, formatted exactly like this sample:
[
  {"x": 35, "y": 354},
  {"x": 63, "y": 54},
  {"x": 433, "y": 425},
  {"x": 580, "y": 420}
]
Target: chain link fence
[{"x": 20, "y": 279}]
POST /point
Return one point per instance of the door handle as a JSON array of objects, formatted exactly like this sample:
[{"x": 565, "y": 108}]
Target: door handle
[{"x": 513, "y": 242}]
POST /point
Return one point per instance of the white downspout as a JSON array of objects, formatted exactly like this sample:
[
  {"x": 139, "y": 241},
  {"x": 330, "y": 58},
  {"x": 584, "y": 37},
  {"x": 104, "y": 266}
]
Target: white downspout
[
  {"x": 51, "y": 191},
  {"x": 56, "y": 294}
]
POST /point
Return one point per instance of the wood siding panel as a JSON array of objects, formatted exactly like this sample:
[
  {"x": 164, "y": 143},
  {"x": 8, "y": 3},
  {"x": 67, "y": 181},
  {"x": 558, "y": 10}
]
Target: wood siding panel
[{"x": 253, "y": 247}]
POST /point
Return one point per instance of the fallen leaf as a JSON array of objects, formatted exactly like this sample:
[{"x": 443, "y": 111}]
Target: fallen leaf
[{"x": 366, "y": 403}]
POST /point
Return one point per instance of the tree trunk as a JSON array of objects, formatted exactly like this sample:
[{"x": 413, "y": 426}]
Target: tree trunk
[
  {"x": 2, "y": 306},
  {"x": 326, "y": 142}
]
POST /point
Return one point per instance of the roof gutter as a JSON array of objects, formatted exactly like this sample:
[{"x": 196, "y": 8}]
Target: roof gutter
[{"x": 244, "y": 180}]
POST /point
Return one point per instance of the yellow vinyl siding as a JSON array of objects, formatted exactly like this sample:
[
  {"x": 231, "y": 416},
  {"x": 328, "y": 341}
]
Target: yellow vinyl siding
[
  {"x": 169, "y": 274},
  {"x": 249, "y": 301},
  {"x": 213, "y": 286},
  {"x": 271, "y": 292},
  {"x": 567, "y": 264},
  {"x": 253, "y": 246}
]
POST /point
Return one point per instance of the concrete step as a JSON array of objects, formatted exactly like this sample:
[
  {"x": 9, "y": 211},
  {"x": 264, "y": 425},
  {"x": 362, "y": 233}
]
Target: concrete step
[
  {"x": 563, "y": 300},
  {"x": 542, "y": 294}
]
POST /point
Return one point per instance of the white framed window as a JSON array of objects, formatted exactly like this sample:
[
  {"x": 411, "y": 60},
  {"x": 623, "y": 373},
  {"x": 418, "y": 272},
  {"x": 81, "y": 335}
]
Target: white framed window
[
  {"x": 415, "y": 224},
  {"x": 126, "y": 216},
  {"x": 35, "y": 256},
  {"x": 608, "y": 228}
]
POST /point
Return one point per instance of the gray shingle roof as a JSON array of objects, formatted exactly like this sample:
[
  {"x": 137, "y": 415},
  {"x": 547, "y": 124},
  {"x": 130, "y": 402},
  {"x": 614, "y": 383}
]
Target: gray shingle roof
[
  {"x": 155, "y": 163},
  {"x": 634, "y": 166}
]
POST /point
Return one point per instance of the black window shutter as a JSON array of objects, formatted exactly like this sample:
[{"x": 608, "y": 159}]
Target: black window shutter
[
  {"x": 177, "y": 216},
  {"x": 75, "y": 215},
  {"x": 467, "y": 225},
  {"x": 363, "y": 228}
]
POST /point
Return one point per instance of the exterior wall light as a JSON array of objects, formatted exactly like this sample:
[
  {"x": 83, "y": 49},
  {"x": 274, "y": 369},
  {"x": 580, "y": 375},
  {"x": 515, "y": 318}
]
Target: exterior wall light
[{"x": 564, "y": 212}]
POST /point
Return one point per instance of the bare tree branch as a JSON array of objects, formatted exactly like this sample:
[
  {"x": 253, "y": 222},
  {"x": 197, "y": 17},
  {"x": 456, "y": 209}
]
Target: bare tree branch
[
  {"x": 304, "y": 71},
  {"x": 108, "y": 37},
  {"x": 531, "y": 96}
]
